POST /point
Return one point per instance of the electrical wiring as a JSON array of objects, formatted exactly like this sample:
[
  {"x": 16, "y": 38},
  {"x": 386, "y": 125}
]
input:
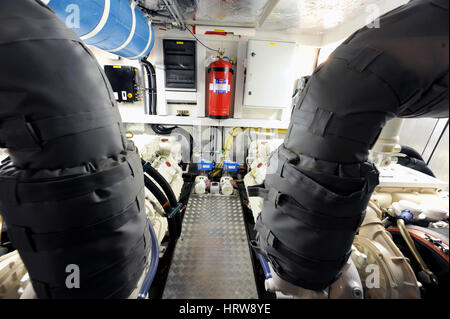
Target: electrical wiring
[
  {"x": 215, "y": 50},
  {"x": 231, "y": 135}
]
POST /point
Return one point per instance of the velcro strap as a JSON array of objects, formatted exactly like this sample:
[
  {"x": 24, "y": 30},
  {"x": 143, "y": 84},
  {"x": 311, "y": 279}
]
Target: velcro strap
[
  {"x": 257, "y": 191},
  {"x": 276, "y": 246},
  {"x": 20, "y": 236},
  {"x": 17, "y": 133},
  {"x": 285, "y": 156},
  {"x": 24, "y": 240},
  {"x": 358, "y": 58},
  {"x": 319, "y": 220},
  {"x": 51, "y": 261},
  {"x": 265, "y": 234},
  {"x": 28, "y": 192},
  {"x": 402, "y": 80},
  {"x": 60, "y": 126},
  {"x": 322, "y": 122}
]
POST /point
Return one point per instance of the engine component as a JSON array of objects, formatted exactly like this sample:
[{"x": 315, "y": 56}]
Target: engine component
[
  {"x": 73, "y": 185},
  {"x": 226, "y": 185},
  {"x": 12, "y": 269},
  {"x": 112, "y": 25},
  {"x": 348, "y": 286},
  {"x": 219, "y": 98},
  {"x": 214, "y": 188},
  {"x": 201, "y": 183},
  {"x": 258, "y": 160},
  {"x": 432, "y": 246},
  {"x": 205, "y": 166},
  {"x": 230, "y": 166},
  {"x": 385, "y": 272},
  {"x": 321, "y": 181}
]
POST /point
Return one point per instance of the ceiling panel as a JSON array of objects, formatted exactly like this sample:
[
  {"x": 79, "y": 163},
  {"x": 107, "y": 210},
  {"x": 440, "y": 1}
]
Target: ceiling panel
[
  {"x": 315, "y": 16},
  {"x": 232, "y": 12},
  {"x": 292, "y": 16}
]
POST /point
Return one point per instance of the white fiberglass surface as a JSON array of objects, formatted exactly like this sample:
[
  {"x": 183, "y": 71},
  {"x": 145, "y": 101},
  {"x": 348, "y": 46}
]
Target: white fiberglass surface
[{"x": 293, "y": 16}]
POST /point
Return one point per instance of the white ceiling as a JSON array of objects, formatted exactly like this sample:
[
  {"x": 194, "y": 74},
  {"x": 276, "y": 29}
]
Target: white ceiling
[
  {"x": 315, "y": 16},
  {"x": 291, "y": 16},
  {"x": 230, "y": 12}
]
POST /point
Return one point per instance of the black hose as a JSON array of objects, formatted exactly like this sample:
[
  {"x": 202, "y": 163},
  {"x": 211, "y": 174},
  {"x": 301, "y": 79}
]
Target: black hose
[
  {"x": 151, "y": 75},
  {"x": 410, "y": 152},
  {"x": 168, "y": 191},
  {"x": 162, "y": 130},
  {"x": 415, "y": 164},
  {"x": 157, "y": 128},
  {"x": 156, "y": 191},
  {"x": 162, "y": 199}
]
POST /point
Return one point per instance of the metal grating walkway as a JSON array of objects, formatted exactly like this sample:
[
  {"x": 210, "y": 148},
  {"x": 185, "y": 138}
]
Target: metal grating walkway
[{"x": 212, "y": 257}]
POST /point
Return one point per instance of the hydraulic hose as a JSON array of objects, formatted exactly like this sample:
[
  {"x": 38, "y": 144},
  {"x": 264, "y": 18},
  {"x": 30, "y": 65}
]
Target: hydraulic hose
[
  {"x": 410, "y": 152},
  {"x": 320, "y": 180},
  {"x": 150, "y": 170},
  {"x": 72, "y": 191},
  {"x": 143, "y": 292},
  {"x": 415, "y": 164},
  {"x": 162, "y": 199},
  {"x": 265, "y": 266},
  {"x": 156, "y": 191},
  {"x": 169, "y": 193}
]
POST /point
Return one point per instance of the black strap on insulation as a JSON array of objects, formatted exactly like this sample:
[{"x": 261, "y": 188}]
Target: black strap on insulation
[{"x": 28, "y": 192}]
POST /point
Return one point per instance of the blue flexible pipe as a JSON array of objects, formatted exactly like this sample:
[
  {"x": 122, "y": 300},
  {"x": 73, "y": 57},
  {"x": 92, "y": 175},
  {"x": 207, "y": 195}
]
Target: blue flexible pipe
[
  {"x": 265, "y": 266},
  {"x": 111, "y": 25},
  {"x": 153, "y": 264}
]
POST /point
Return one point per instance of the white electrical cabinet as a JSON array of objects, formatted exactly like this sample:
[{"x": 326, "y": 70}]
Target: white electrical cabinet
[{"x": 270, "y": 75}]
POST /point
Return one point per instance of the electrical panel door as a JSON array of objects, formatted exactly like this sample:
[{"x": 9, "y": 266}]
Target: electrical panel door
[{"x": 270, "y": 74}]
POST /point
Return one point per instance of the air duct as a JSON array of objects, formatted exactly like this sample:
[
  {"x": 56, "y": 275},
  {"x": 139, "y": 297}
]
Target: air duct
[
  {"x": 72, "y": 191},
  {"x": 320, "y": 180},
  {"x": 115, "y": 26}
]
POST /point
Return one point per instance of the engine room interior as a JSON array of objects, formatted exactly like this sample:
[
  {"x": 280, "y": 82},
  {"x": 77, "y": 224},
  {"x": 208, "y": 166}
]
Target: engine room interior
[{"x": 224, "y": 149}]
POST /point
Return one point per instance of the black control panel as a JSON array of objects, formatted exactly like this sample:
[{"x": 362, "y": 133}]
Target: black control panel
[{"x": 123, "y": 80}]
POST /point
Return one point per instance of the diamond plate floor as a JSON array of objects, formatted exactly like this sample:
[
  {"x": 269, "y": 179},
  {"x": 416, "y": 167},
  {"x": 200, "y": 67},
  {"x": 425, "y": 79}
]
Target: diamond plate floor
[{"x": 212, "y": 257}]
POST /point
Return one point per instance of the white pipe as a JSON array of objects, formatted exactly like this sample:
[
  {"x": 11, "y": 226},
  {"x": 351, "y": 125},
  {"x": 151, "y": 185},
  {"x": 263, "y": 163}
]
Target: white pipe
[{"x": 173, "y": 9}]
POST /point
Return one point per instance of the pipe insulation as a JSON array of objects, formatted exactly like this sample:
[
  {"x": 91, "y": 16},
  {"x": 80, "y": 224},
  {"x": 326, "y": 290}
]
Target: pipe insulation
[
  {"x": 116, "y": 26},
  {"x": 320, "y": 180},
  {"x": 72, "y": 190}
]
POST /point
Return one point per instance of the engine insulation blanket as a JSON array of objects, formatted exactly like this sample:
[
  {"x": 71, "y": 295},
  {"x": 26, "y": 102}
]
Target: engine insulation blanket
[
  {"x": 319, "y": 181},
  {"x": 72, "y": 190}
]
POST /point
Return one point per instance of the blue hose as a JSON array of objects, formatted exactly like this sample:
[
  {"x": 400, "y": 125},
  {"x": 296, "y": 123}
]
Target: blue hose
[
  {"x": 153, "y": 264},
  {"x": 265, "y": 266}
]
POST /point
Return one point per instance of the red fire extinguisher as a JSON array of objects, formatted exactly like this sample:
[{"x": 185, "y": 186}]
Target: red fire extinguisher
[{"x": 220, "y": 77}]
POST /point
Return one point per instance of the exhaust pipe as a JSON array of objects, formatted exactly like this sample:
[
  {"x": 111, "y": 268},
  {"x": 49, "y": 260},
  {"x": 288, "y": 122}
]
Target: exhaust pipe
[
  {"x": 72, "y": 190},
  {"x": 320, "y": 180}
]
